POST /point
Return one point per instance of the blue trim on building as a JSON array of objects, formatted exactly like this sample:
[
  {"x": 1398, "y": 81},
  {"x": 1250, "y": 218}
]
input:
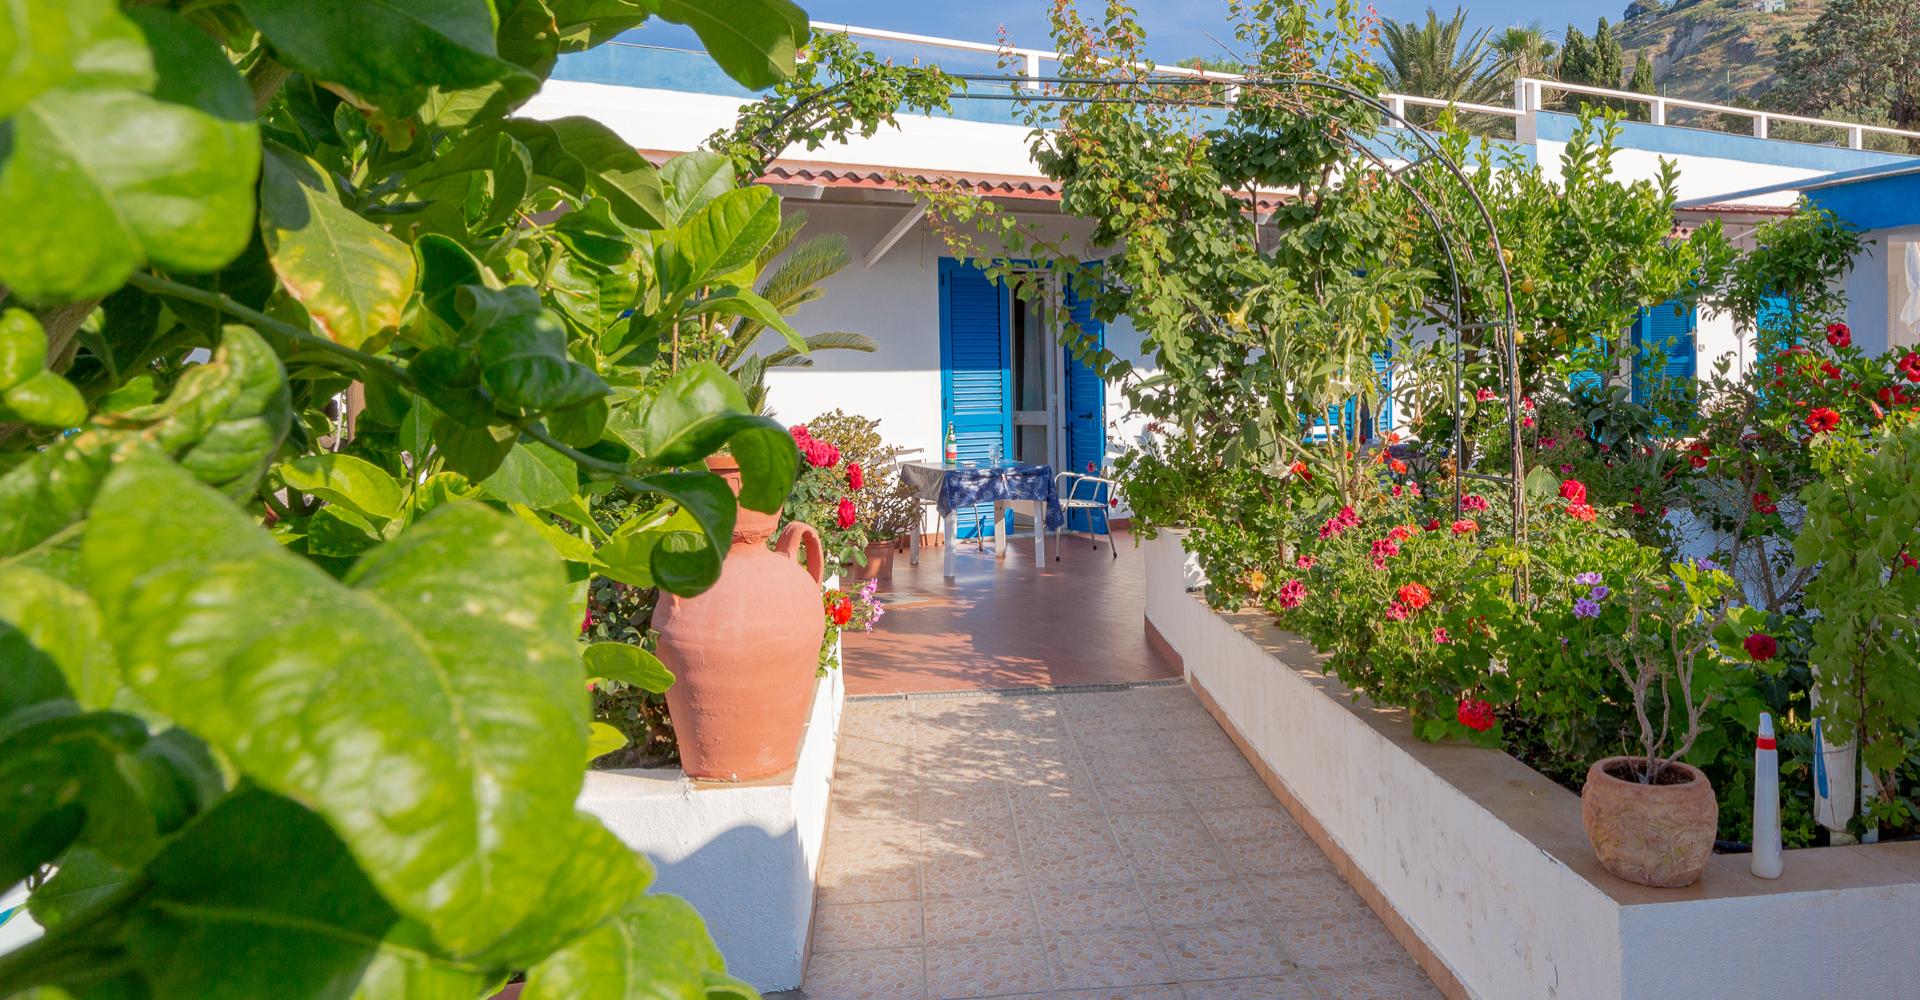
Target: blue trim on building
[
  {"x": 1873, "y": 203},
  {"x": 1681, "y": 141}
]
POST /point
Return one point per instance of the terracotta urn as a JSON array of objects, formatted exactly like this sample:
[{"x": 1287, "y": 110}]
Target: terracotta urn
[
  {"x": 743, "y": 653},
  {"x": 1659, "y": 835}
]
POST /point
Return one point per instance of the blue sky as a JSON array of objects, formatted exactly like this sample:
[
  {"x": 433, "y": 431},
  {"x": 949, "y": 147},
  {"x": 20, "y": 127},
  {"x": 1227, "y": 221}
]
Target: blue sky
[{"x": 1175, "y": 28}]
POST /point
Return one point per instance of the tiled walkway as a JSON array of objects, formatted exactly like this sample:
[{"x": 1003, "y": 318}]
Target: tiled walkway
[
  {"x": 1004, "y": 624},
  {"x": 1077, "y": 845}
]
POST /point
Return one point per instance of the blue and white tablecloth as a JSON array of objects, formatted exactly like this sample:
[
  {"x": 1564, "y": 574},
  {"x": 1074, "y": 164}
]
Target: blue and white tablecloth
[{"x": 956, "y": 486}]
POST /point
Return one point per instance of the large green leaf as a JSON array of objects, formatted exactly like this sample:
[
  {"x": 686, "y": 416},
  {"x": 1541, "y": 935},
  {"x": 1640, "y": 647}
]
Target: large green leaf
[
  {"x": 430, "y": 709},
  {"x": 445, "y": 265},
  {"x": 535, "y": 476},
  {"x": 98, "y": 179},
  {"x": 23, "y": 347},
  {"x": 53, "y": 643},
  {"x": 628, "y": 664},
  {"x": 354, "y": 483},
  {"x": 614, "y": 171},
  {"x": 693, "y": 181},
  {"x": 698, "y": 411},
  {"x": 656, "y": 948},
  {"x": 747, "y": 304},
  {"x": 352, "y": 275},
  {"x": 382, "y": 47},
  {"x": 224, "y": 421},
  {"x": 584, "y": 24},
  {"x": 46, "y": 43},
  {"x": 523, "y": 356},
  {"x": 755, "y": 41},
  {"x": 728, "y": 233},
  {"x": 686, "y": 562}
]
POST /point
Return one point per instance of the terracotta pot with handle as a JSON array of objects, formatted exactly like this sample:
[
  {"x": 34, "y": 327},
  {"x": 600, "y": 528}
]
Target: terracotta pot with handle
[
  {"x": 1659, "y": 835},
  {"x": 743, "y": 654}
]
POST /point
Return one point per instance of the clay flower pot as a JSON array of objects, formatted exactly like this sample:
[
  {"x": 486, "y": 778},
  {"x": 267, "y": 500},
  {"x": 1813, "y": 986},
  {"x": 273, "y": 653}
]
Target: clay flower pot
[
  {"x": 1659, "y": 835},
  {"x": 743, "y": 653},
  {"x": 879, "y": 562}
]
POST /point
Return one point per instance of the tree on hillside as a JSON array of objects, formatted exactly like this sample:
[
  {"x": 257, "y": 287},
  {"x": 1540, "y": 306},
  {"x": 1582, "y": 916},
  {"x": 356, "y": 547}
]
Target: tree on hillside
[
  {"x": 1442, "y": 59},
  {"x": 1592, "y": 62},
  {"x": 1524, "y": 50},
  {"x": 1859, "y": 60},
  {"x": 1642, "y": 83}
]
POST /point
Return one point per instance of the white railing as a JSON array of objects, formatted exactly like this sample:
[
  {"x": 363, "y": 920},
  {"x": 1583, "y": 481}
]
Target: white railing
[{"x": 1528, "y": 92}]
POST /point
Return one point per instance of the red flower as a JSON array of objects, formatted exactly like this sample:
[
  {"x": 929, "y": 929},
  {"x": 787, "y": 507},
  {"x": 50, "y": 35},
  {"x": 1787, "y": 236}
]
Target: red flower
[
  {"x": 799, "y": 432},
  {"x": 1580, "y": 512},
  {"x": 833, "y": 455},
  {"x": 1300, "y": 469},
  {"x": 1090, "y": 468},
  {"x": 1838, "y": 335},
  {"x": 1573, "y": 491},
  {"x": 1414, "y": 596},
  {"x": 1397, "y": 612},
  {"x": 1697, "y": 461},
  {"x": 1291, "y": 593},
  {"x": 1305, "y": 562},
  {"x": 1400, "y": 532},
  {"x": 1908, "y": 561},
  {"x": 1113, "y": 501},
  {"x": 1762, "y": 503},
  {"x": 1483, "y": 395},
  {"x": 1473, "y": 501},
  {"x": 1475, "y": 714},
  {"x": 1830, "y": 369},
  {"x": 1399, "y": 468},
  {"x": 819, "y": 453},
  {"x": 587, "y": 622},
  {"x": 1761, "y": 647},
  {"x": 1822, "y": 420},
  {"x": 1433, "y": 525},
  {"x": 1465, "y": 525},
  {"x": 842, "y": 611},
  {"x": 845, "y": 515},
  {"x": 855, "y": 478},
  {"x": 1638, "y": 509},
  {"x": 1440, "y": 636},
  {"x": 1385, "y": 547}
]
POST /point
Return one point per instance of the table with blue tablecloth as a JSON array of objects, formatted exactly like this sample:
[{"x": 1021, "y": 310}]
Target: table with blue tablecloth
[{"x": 1027, "y": 488}]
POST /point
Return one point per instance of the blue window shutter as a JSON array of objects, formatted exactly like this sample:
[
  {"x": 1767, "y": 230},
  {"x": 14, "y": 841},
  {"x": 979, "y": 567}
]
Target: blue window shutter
[
  {"x": 1085, "y": 405},
  {"x": 1383, "y": 367},
  {"x": 1774, "y": 320},
  {"x": 1592, "y": 380},
  {"x": 976, "y": 376},
  {"x": 1670, "y": 327}
]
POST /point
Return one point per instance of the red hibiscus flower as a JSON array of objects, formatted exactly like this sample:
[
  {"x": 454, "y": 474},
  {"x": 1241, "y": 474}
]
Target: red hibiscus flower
[
  {"x": 1475, "y": 714},
  {"x": 1465, "y": 525},
  {"x": 1761, "y": 647},
  {"x": 1573, "y": 491},
  {"x": 1414, "y": 596},
  {"x": 845, "y": 515},
  {"x": 1838, "y": 335},
  {"x": 1822, "y": 420},
  {"x": 855, "y": 478},
  {"x": 1291, "y": 593},
  {"x": 1580, "y": 512},
  {"x": 1829, "y": 369},
  {"x": 1763, "y": 504}
]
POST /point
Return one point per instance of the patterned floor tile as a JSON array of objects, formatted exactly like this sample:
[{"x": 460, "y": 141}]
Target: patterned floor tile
[
  {"x": 1000, "y": 916},
  {"x": 852, "y": 926},
  {"x": 984, "y": 970},
  {"x": 1122, "y": 797},
  {"x": 1397, "y": 980},
  {"x": 1228, "y": 792},
  {"x": 889, "y": 974},
  {"x": 1337, "y": 942},
  {"x": 1185, "y": 904},
  {"x": 971, "y": 876},
  {"x": 1070, "y": 909},
  {"x": 1274, "y": 857},
  {"x": 1256, "y": 823},
  {"x": 1104, "y": 959},
  {"x": 1225, "y": 951},
  {"x": 1305, "y": 895}
]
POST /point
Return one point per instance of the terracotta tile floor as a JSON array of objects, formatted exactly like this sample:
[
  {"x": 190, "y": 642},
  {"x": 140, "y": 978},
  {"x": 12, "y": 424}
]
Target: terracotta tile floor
[
  {"x": 1002, "y": 623},
  {"x": 1086, "y": 845}
]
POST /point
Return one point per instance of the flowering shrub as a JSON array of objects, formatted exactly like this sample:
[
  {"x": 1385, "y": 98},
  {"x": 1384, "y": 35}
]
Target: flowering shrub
[
  {"x": 885, "y": 505},
  {"x": 823, "y": 496},
  {"x": 845, "y": 612}
]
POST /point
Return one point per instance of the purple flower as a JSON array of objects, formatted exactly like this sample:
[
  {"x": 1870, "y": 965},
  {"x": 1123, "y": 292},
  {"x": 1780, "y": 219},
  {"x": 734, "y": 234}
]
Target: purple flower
[
  {"x": 1588, "y": 579},
  {"x": 1584, "y": 608},
  {"x": 1599, "y": 593},
  {"x": 1707, "y": 565}
]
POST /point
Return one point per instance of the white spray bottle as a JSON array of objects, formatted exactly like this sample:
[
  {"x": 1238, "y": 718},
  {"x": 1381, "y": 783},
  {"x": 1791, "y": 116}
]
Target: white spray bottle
[{"x": 1766, "y": 861}]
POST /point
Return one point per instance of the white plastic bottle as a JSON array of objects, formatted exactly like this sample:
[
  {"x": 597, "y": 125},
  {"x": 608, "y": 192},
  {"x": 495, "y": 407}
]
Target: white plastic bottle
[{"x": 1766, "y": 860}]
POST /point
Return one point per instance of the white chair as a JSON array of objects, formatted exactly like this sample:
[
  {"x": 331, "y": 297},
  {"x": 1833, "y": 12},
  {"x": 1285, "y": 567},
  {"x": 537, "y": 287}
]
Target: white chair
[{"x": 1092, "y": 494}]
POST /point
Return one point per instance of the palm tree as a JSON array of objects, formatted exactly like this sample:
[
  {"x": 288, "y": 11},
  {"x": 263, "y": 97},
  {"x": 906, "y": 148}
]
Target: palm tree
[
  {"x": 1524, "y": 50},
  {"x": 1440, "y": 59},
  {"x": 796, "y": 282}
]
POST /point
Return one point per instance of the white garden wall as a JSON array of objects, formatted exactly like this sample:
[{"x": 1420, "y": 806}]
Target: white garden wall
[
  {"x": 745, "y": 855},
  {"x": 1482, "y": 867}
]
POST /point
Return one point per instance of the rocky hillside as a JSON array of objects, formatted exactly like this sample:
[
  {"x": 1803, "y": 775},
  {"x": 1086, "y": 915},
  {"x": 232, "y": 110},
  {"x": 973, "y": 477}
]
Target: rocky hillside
[{"x": 1713, "y": 50}]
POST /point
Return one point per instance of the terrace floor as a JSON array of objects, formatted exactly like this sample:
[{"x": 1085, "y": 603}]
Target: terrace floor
[
  {"x": 1078, "y": 844},
  {"x": 1002, "y": 623}
]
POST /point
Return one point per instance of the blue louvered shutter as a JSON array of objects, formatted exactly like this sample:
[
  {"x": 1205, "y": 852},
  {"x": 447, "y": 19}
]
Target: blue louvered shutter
[
  {"x": 976, "y": 376},
  {"x": 1774, "y": 320},
  {"x": 1085, "y": 404},
  {"x": 1594, "y": 379},
  {"x": 1383, "y": 367},
  {"x": 1669, "y": 327}
]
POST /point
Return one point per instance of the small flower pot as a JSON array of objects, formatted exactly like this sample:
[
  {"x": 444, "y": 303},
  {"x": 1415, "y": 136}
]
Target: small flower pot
[
  {"x": 879, "y": 562},
  {"x": 1658, "y": 835}
]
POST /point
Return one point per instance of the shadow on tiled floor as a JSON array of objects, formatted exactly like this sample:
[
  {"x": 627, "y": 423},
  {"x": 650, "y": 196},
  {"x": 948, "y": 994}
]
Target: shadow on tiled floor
[
  {"x": 1077, "y": 845},
  {"x": 1004, "y": 623}
]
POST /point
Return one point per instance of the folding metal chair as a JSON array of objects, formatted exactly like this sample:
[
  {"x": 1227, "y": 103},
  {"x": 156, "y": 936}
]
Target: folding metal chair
[{"x": 1092, "y": 494}]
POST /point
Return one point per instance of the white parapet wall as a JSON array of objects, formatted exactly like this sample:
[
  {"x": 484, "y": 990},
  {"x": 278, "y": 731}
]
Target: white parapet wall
[
  {"x": 745, "y": 855},
  {"x": 1480, "y": 864}
]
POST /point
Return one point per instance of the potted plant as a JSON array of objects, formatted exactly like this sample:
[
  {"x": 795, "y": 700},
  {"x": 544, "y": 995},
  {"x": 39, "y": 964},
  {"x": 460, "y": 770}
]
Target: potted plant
[
  {"x": 863, "y": 471},
  {"x": 1651, "y": 817}
]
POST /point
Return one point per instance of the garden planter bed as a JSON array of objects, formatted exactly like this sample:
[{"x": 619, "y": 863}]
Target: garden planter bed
[
  {"x": 1481, "y": 867},
  {"x": 744, "y": 854}
]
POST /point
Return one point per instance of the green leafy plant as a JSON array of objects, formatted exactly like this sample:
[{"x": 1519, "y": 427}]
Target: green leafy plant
[{"x": 312, "y": 364}]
